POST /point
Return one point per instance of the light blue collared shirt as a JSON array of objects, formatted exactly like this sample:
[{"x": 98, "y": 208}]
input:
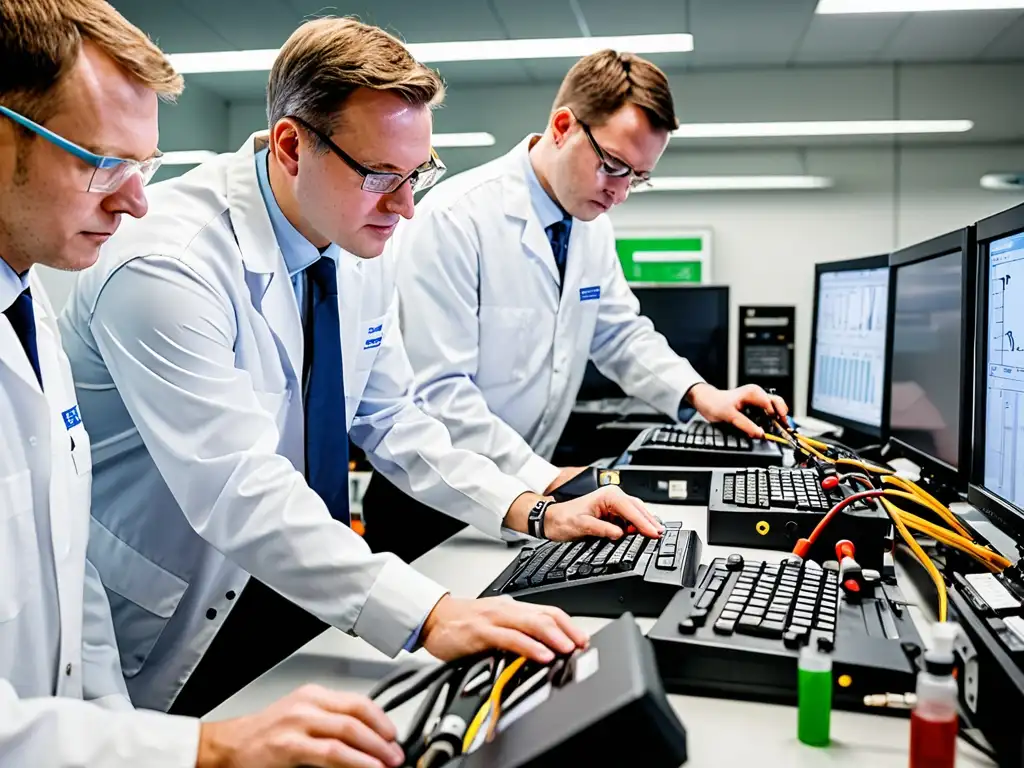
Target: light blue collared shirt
[
  {"x": 547, "y": 210},
  {"x": 298, "y": 254}
]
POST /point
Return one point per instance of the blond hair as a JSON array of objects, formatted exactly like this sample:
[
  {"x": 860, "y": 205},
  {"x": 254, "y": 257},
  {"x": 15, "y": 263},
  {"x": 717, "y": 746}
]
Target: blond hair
[
  {"x": 40, "y": 41},
  {"x": 326, "y": 60},
  {"x": 600, "y": 84}
]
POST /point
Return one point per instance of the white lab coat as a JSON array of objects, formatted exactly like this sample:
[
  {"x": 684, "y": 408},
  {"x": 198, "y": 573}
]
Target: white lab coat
[
  {"x": 56, "y": 637},
  {"x": 497, "y": 353},
  {"x": 186, "y": 345}
]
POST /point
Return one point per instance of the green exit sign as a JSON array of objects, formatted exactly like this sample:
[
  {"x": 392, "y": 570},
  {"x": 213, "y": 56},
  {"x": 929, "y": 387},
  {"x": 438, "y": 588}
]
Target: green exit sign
[{"x": 682, "y": 259}]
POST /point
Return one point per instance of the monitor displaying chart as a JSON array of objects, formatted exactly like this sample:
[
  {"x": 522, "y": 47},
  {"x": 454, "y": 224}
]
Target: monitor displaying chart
[
  {"x": 1004, "y": 378},
  {"x": 849, "y": 354}
]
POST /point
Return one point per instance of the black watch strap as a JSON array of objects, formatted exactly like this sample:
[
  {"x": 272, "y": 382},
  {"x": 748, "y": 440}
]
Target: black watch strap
[{"x": 536, "y": 519}]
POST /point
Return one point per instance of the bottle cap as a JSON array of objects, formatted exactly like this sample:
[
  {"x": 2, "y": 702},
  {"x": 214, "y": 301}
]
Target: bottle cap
[
  {"x": 939, "y": 658},
  {"x": 813, "y": 659}
]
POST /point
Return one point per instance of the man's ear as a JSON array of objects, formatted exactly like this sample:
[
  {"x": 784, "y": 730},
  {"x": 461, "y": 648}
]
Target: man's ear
[
  {"x": 562, "y": 121},
  {"x": 285, "y": 141}
]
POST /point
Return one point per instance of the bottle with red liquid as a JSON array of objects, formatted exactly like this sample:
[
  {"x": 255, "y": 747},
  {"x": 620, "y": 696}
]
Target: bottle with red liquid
[{"x": 934, "y": 720}]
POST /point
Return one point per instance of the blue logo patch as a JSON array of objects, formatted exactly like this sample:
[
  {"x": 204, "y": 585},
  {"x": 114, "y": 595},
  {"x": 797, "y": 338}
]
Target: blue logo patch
[
  {"x": 591, "y": 293},
  {"x": 71, "y": 417},
  {"x": 371, "y": 343},
  {"x": 376, "y": 329}
]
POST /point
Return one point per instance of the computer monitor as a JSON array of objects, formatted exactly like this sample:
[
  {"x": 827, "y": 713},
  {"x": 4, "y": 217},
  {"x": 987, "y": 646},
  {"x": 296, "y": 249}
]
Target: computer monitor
[
  {"x": 930, "y": 355},
  {"x": 847, "y": 385},
  {"x": 998, "y": 472},
  {"x": 693, "y": 319}
]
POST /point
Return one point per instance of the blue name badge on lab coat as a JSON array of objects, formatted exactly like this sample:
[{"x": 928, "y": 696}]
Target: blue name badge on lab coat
[
  {"x": 591, "y": 293},
  {"x": 374, "y": 342},
  {"x": 71, "y": 417}
]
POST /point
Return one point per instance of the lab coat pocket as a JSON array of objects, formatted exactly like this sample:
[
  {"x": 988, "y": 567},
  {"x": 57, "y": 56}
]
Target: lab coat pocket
[
  {"x": 504, "y": 343},
  {"x": 143, "y": 596},
  {"x": 17, "y": 541}
]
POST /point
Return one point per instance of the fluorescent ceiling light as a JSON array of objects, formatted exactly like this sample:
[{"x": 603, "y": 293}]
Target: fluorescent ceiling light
[
  {"x": 188, "y": 157},
  {"x": 708, "y": 183},
  {"x": 465, "y": 50},
  {"x": 819, "y": 128},
  {"x": 480, "y": 139},
  {"x": 1003, "y": 182},
  {"x": 914, "y": 6}
]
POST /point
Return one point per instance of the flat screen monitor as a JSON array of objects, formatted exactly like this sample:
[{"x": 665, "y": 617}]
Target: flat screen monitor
[
  {"x": 847, "y": 383},
  {"x": 999, "y": 406},
  {"x": 694, "y": 321},
  {"x": 931, "y": 363}
]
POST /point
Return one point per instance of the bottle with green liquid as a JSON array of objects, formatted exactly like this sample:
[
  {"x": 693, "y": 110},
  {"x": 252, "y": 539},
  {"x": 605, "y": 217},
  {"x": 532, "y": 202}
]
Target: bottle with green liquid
[{"x": 814, "y": 696}]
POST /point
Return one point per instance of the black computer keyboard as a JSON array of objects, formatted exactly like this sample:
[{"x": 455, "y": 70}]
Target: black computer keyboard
[
  {"x": 700, "y": 443},
  {"x": 601, "y": 577},
  {"x": 773, "y": 508},
  {"x": 740, "y": 631}
]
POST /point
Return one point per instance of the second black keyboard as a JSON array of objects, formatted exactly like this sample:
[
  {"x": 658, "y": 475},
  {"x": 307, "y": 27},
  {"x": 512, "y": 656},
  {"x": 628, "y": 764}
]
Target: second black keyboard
[
  {"x": 700, "y": 443},
  {"x": 601, "y": 577}
]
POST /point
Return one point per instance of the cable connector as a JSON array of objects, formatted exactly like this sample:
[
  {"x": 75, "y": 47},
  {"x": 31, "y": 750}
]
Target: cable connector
[{"x": 891, "y": 700}]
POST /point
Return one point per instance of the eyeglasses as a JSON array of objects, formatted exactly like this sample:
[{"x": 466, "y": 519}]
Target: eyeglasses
[
  {"x": 611, "y": 165},
  {"x": 109, "y": 173},
  {"x": 380, "y": 182}
]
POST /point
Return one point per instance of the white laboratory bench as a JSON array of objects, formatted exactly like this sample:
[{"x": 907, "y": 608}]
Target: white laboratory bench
[{"x": 720, "y": 732}]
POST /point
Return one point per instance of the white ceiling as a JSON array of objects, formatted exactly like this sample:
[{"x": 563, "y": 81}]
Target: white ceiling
[{"x": 728, "y": 34}]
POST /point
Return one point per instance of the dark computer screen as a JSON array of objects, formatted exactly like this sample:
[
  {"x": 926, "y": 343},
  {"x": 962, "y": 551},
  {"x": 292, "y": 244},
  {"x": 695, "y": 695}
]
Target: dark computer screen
[
  {"x": 695, "y": 322},
  {"x": 848, "y": 348},
  {"x": 927, "y": 364}
]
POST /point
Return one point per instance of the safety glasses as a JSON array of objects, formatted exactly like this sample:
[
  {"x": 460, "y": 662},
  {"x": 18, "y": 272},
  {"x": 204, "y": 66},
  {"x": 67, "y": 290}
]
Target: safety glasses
[
  {"x": 108, "y": 174},
  {"x": 611, "y": 165},
  {"x": 379, "y": 182}
]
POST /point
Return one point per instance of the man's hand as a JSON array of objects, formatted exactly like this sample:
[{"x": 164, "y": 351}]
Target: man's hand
[
  {"x": 458, "y": 627},
  {"x": 723, "y": 405},
  {"x": 591, "y": 515},
  {"x": 567, "y": 474},
  {"x": 313, "y": 726}
]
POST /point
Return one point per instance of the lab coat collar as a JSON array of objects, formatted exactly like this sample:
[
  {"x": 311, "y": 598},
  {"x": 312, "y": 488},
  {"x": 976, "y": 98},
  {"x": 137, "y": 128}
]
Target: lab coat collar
[
  {"x": 272, "y": 293},
  {"x": 519, "y": 205},
  {"x": 11, "y": 285}
]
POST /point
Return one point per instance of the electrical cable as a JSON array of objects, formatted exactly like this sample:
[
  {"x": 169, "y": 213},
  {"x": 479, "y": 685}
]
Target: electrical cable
[
  {"x": 496, "y": 696},
  {"x": 987, "y": 557},
  {"x": 919, "y": 553},
  {"x": 862, "y": 479},
  {"x": 481, "y": 715},
  {"x": 934, "y": 504},
  {"x": 803, "y": 545}
]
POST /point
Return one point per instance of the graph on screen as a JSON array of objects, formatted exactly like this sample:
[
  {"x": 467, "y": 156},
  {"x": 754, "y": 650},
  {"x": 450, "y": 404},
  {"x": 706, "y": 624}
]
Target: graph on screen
[
  {"x": 849, "y": 358},
  {"x": 1004, "y": 423}
]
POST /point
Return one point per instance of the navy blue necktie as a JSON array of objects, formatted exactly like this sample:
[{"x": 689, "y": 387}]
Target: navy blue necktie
[
  {"x": 23, "y": 320},
  {"x": 558, "y": 235},
  {"x": 326, "y": 434}
]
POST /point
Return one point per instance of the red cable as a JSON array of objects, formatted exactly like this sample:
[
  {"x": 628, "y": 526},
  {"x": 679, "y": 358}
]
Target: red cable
[{"x": 803, "y": 545}]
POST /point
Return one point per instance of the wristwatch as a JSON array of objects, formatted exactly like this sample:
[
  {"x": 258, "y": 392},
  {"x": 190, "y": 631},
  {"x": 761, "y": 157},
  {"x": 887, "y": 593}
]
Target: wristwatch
[{"x": 535, "y": 524}]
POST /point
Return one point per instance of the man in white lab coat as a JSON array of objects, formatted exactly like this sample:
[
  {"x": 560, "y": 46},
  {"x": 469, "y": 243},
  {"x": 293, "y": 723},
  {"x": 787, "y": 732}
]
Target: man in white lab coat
[
  {"x": 226, "y": 346},
  {"x": 509, "y": 282},
  {"x": 78, "y": 132}
]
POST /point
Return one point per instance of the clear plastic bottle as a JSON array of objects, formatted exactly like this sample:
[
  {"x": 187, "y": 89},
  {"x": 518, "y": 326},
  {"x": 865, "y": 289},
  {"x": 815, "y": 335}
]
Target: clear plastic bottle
[{"x": 934, "y": 720}]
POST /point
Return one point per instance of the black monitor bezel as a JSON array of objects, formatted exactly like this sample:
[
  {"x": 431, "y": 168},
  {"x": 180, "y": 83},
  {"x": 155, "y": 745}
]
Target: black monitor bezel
[
  {"x": 963, "y": 240},
  {"x": 846, "y": 265},
  {"x": 1002, "y": 511}
]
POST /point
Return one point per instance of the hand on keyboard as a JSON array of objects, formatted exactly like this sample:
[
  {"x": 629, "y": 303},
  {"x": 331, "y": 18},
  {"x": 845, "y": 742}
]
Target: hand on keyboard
[
  {"x": 725, "y": 405},
  {"x": 607, "y": 512}
]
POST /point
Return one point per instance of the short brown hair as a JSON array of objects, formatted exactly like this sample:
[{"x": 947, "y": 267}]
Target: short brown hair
[
  {"x": 326, "y": 60},
  {"x": 600, "y": 84},
  {"x": 40, "y": 41}
]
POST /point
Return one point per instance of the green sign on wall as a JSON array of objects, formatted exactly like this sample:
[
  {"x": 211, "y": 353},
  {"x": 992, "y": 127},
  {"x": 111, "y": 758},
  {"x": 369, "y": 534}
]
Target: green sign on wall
[{"x": 683, "y": 259}]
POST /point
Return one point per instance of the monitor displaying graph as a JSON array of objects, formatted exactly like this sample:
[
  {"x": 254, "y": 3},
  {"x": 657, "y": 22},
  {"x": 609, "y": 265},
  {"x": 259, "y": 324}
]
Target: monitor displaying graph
[
  {"x": 849, "y": 355},
  {"x": 1004, "y": 378}
]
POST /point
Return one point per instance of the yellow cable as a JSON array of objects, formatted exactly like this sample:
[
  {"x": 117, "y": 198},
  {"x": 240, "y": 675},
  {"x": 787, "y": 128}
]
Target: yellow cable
[
  {"x": 499, "y": 688},
  {"x": 812, "y": 450},
  {"x": 777, "y": 439},
  {"x": 932, "y": 503},
  {"x": 865, "y": 467},
  {"x": 922, "y": 557},
  {"x": 948, "y": 537},
  {"x": 814, "y": 443},
  {"x": 493, "y": 703}
]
